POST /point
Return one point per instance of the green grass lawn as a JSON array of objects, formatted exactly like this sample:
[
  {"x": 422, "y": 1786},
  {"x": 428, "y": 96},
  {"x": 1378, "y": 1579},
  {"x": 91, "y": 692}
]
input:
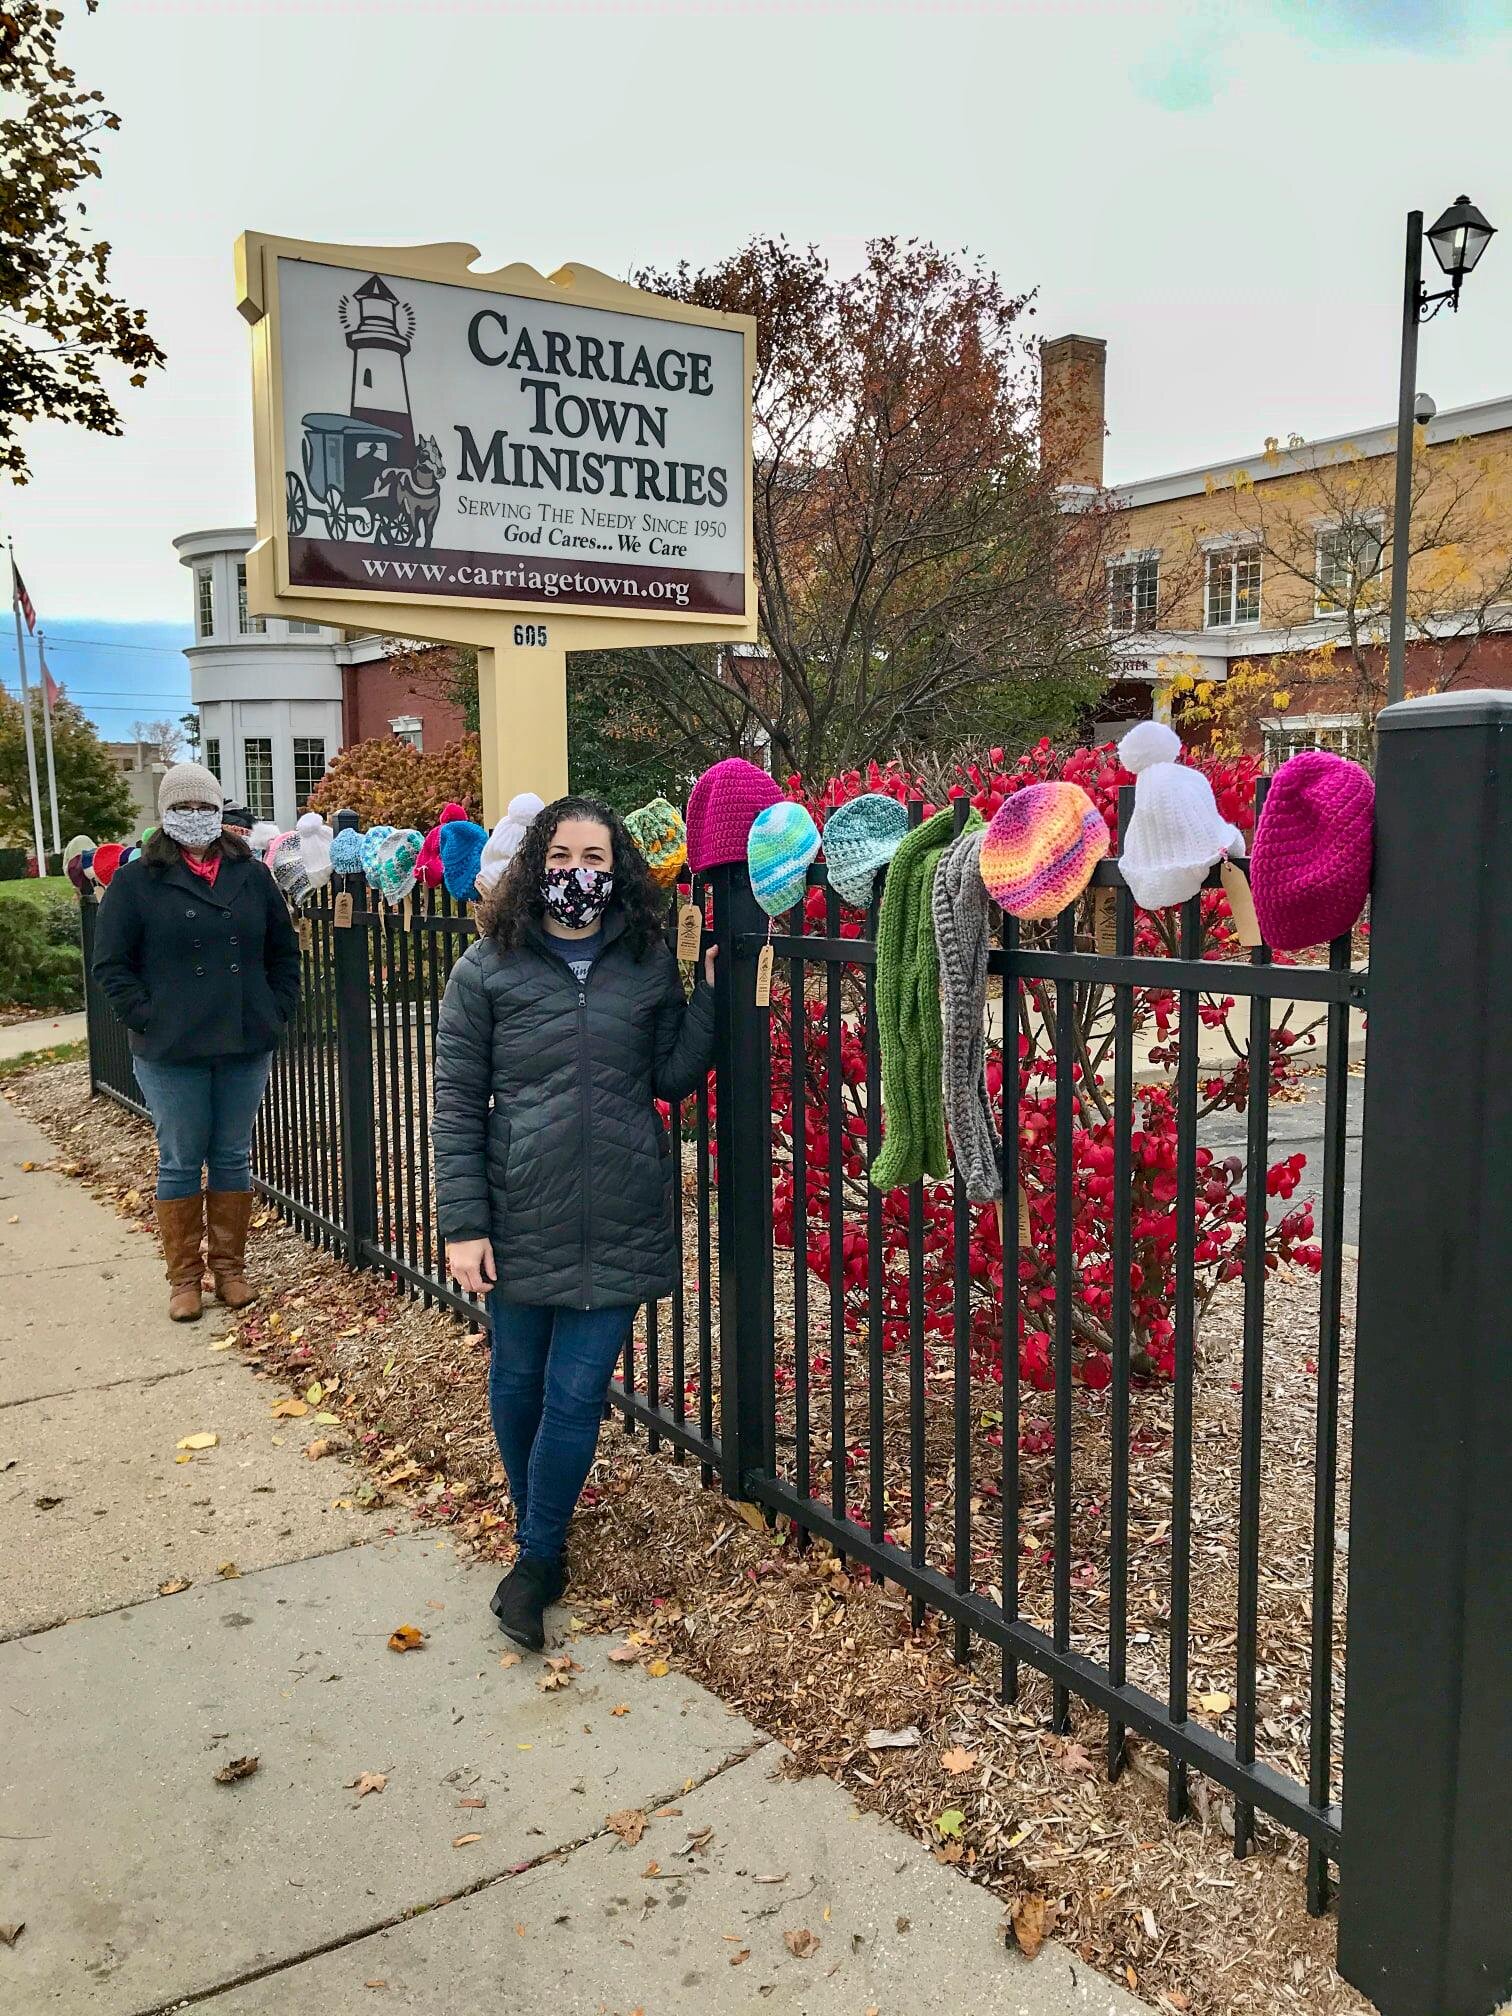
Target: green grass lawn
[{"x": 32, "y": 889}]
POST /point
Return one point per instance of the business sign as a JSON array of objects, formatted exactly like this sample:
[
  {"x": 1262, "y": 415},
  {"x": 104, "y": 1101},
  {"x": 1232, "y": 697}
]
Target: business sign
[{"x": 501, "y": 441}]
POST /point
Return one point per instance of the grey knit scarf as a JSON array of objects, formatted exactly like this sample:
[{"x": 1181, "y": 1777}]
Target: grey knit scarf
[{"x": 962, "y": 923}]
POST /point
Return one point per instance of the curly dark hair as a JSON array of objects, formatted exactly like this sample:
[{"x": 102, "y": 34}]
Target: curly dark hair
[
  {"x": 159, "y": 851},
  {"x": 515, "y": 902}
]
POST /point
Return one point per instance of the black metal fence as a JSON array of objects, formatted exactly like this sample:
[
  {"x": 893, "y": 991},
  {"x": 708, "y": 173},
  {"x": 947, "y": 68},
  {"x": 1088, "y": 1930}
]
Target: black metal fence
[{"x": 855, "y": 1363}]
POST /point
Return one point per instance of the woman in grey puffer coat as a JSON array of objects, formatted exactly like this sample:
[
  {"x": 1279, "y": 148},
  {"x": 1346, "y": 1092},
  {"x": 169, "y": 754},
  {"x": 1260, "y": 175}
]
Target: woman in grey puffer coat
[{"x": 560, "y": 1028}]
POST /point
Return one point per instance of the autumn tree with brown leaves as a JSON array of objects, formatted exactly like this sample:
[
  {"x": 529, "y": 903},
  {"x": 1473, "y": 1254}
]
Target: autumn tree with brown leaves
[
  {"x": 60, "y": 322},
  {"x": 913, "y": 558}
]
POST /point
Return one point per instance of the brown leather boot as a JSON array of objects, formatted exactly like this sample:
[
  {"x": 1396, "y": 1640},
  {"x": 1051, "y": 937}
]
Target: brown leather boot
[
  {"x": 229, "y": 1212},
  {"x": 181, "y": 1224}
]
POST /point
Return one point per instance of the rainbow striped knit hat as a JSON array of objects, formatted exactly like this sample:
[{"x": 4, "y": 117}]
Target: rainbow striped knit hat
[
  {"x": 1041, "y": 848},
  {"x": 783, "y": 841}
]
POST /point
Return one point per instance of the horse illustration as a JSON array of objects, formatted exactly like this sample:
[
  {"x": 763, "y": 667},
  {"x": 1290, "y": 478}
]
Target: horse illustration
[{"x": 408, "y": 501}]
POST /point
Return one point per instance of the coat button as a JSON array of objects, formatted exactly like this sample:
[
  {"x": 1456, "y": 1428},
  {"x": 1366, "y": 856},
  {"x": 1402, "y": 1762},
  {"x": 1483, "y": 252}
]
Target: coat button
[
  {"x": 196, "y": 944},
  {"x": 234, "y": 939},
  {"x": 200, "y": 971},
  {"x": 191, "y": 913},
  {"x": 234, "y": 967}
]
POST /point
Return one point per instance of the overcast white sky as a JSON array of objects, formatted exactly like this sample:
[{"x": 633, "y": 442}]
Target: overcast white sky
[{"x": 1218, "y": 192}]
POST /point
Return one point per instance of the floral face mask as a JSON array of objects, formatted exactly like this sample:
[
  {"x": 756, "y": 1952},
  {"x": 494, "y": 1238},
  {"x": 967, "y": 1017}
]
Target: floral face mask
[{"x": 577, "y": 897}]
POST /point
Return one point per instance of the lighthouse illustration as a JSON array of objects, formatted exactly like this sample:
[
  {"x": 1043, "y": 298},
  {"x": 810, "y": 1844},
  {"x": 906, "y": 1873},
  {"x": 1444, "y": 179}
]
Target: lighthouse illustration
[{"x": 379, "y": 328}]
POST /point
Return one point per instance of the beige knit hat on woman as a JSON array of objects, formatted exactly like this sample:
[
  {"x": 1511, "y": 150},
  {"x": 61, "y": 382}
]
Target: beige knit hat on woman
[{"x": 189, "y": 784}]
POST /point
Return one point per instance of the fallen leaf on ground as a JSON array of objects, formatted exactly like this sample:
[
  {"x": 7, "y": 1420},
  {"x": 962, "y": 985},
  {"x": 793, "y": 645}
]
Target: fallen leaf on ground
[
  {"x": 321, "y": 1446},
  {"x": 801, "y": 1943},
  {"x": 1031, "y": 1918},
  {"x": 204, "y": 1440},
  {"x": 184, "y": 1456},
  {"x": 9, "y": 1934},
  {"x": 1215, "y": 1704},
  {"x": 957, "y": 1760},
  {"x": 316, "y": 1393},
  {"x": 893, "y": 1739},
  {"x": 239, "y": 1767},
  {"x": 509, "y": 1659},
  {"x": 368, "y": 1781},
  {"x": 476, "y": 1804},
  {"x": 781, "y": 1877},
  {"x": 465, "y": 1840},
  {"x": 629, "y": 1823},
  {"x": 375, "y": 1984},
  {"x": 624, "y": 1655},
  {"x": 658, "y": 1669},
  {"x": 620, "y": 1708},
  {"x": 739, "y": 1959},
  {"x": 950, "y": 1823},
  {"x": 406, "y": 1638},
  {"x": 652, "y": 1868},
  {"x": 289, "y": 1410},
  {"x": 172, "y": 1588},
  {"x": 1074, "y": 1758}
]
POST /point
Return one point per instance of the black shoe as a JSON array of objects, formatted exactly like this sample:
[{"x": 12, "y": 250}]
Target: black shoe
[{"x": 521, "y": 1599}]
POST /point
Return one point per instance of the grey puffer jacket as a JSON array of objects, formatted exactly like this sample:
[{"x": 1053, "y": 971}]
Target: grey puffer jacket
[{"x": 546, "y": 1139}]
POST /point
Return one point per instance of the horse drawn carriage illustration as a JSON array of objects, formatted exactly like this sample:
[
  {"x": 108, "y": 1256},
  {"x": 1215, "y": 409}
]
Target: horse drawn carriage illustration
[{"x": 369, "y": 481}]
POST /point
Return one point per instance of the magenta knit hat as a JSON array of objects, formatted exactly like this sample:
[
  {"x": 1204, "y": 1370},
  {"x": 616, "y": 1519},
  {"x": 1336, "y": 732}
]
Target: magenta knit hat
[
  {"x": 1310, "y": 864},
  {"x": 722, "y": 810}
]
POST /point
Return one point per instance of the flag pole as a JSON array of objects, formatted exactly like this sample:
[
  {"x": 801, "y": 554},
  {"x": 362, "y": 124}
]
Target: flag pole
[
  {"x": 52, "y": 774},
  {"x": 26, "y": 719}
]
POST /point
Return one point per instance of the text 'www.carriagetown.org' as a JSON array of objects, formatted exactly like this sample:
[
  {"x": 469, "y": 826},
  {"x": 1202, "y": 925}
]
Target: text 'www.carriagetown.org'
[{"x": 548, "y": 581}]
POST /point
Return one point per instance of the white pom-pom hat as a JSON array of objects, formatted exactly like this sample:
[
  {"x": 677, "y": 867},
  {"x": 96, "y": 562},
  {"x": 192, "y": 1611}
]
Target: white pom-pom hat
[
  {"x": 504, "y": 842},
  {"x": 1177, "y": 832}
]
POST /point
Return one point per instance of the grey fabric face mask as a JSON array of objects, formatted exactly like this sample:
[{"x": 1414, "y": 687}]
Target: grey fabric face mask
[{"x": 192, "y": 826}]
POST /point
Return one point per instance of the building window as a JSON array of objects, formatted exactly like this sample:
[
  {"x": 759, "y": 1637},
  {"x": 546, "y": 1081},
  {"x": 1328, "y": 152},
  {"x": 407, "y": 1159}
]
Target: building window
[
  {"x": 257, "y": 761},
  {"x": 1344, "y": 738},
  {"x": 212, "y": 757},
  {"x": 1133, "y": 592},
  {"x": 248, "y": 624},
  {"x": 1348, "y": 556},
  {"x": 406, "y": 728},
  {"x": 1233, "y": 587},
  {"x": 298, "y": 628},
  {"x": 309, "y": 766},
  {"x": 204, "y": 603}
]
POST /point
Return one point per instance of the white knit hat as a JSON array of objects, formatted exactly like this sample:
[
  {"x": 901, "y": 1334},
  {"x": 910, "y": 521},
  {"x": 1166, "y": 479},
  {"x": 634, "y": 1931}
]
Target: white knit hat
[
  {"x": 504, "y": 842},
  {"x": 1177, "y": 832}
]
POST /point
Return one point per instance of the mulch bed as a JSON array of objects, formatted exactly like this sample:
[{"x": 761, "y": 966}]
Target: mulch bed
[{"x": 822, "y": 1658}]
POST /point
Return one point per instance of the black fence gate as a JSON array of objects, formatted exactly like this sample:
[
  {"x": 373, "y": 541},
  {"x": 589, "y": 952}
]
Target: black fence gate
[{"x": 905, "y": 1380}]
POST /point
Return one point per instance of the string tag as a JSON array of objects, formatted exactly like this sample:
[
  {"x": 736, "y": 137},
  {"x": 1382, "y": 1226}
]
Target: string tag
[
  {"x": 764, "y": 976},
  {"x": 689, "y": 933},
  {"x": 1105, "y": 920},
  {"x": 1241, "y": 903},
  {"x": 406, "y": 912},
  {"x": 306, "y": 935},
  {"x": 343, "y": 911},
  {"x": 1025, "y": 1231}
]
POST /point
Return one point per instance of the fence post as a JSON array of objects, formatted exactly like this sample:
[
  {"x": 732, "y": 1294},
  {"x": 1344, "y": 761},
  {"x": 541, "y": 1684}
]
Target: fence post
[
  {"x": 354, "y": 1067},
  {"x": 1424, "y": 1928},
  {"x": 88, "y": 911},
  {"x": 743, "y": 1144}
]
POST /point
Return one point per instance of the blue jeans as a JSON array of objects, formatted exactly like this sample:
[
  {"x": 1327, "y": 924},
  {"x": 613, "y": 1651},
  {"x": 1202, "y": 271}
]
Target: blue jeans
[
  {"x": 203, "y": 1115},
  {"x": 548, "y": 1376}
]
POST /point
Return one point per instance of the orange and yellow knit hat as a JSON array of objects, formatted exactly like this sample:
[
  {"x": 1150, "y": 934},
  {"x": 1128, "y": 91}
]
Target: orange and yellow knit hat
[
  {"x": 658, "y": 831},
  {"x": 1041, "y": 848}
]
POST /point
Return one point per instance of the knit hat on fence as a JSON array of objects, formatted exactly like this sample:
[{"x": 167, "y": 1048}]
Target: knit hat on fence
[
  {"x": 963, "y": 934},
  {"x": 462, "y": 844},
  {"x": 428, "y": 867},
  {"x": 1177, "y": 831},
  {"x": 502, "y": 845},
  {"x": 312, "y": 822},
  {"x": 189, "y": 784},
  {"x": 1310, "y": 867},
  {"x": 346, "y": 852},
  {"x": 76, "y": 868},
  {"x": 79, "y": 844},
  {"x": 315, "y": 851},
  {"x": 908, "y": 1009},
  {"x": 238, "y": 818},
  {"x": 106, "y": 861},
  {"x": 394, "y": 863},
  {"x": 372, "y": 840},
  {"x": 782, "y": 842},
  {"x": 286, "y": 860},
  {"x": 860, "y": 838},
  {"x": 1041, "y": 848},
  {"x": 261, "y": 834},
  {"x": 722, "y": 808},
  {"x": 658, "y": 831}
]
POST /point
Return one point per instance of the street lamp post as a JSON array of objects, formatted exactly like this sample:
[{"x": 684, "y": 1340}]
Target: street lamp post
[{"x": 1458, "y": 240}]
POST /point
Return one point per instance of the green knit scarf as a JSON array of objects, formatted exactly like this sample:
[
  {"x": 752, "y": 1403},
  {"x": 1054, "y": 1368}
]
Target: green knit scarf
[{"x": 908, "y": 1009}]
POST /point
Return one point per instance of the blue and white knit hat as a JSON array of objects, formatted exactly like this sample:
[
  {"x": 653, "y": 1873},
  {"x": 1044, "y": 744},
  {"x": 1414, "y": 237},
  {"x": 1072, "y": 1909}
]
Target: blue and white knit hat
[
  {"x": 860, "y": 838},
  {"x": 782, "y": 842}
]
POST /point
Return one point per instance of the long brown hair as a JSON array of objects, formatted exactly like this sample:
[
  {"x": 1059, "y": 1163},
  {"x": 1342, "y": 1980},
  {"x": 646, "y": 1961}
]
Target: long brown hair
[{"x": 515, "y": 904}]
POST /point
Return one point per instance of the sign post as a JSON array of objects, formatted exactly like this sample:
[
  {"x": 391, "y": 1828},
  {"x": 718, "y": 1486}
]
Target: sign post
[{"x": 528, "y": 465}]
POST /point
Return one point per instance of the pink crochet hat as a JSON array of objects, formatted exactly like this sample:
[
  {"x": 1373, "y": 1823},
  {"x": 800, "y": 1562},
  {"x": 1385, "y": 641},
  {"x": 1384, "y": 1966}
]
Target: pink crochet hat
[
  {"x": 428, "y": 867},
  {"x": 1310, "y": 865},
  {"x": 722, "y": 810}
]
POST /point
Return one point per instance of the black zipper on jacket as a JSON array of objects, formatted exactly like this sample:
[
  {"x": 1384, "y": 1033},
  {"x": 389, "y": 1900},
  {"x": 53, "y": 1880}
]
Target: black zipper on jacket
[{"x": 585, "y": 1100}]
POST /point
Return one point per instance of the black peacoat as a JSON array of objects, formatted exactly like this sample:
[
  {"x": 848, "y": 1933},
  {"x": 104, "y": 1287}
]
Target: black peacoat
[
  {"x": 547, "y": 1140},
  {"x": 197, "y": 971}
]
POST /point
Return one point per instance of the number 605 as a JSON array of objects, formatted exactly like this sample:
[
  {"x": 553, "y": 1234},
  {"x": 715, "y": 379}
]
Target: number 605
[{"x": 530, "y": 633}]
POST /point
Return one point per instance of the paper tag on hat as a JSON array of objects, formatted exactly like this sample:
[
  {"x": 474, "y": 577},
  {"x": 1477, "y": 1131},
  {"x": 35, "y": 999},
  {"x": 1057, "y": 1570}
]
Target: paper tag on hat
[
  {"x": 306, "y": 935},
  {"x": 764, "y": 976},
  {"x": 406, "y": 912},
  {"x": 343, "y": 911},
  {"x": 689, "y": 932},
  {"x": 1025, "y": 1236},
  {"x": 1105, "y": 919},
  {"x": 1241, "y": 904}
]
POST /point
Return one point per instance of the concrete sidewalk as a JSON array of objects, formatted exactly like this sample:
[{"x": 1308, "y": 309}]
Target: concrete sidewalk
[
  {"x": 40, "y": 1032},
  {"x": 482, "y": 1874}
]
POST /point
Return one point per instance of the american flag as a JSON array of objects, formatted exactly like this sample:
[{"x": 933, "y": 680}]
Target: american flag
[{"x": 22, "y": 600}]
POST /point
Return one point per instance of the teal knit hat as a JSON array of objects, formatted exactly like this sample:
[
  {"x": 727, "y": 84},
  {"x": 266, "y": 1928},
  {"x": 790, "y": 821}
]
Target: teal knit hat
[
  {"x": 782, "y": 842},
  {"x": 860, "y": 838}
]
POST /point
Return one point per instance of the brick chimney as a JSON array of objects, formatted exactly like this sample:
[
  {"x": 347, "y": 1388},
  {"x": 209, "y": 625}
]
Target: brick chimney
[{"x": 1073, "y": 372}]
